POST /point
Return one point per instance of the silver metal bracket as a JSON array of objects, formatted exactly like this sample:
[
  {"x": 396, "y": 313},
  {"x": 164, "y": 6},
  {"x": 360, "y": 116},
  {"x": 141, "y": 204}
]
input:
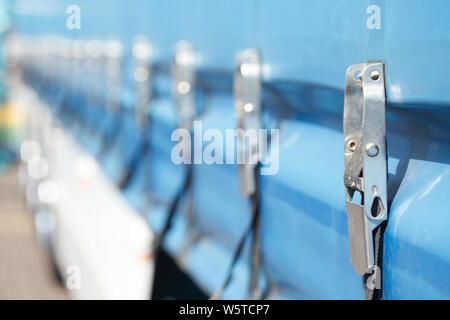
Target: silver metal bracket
[
  {"x": 183, "y": 72},
  {"x": 113, "y": 56},
  {"x": 142, "y": 54},
  {"x": 247, "y": 96},
  {"x": 365, "y": 176}
]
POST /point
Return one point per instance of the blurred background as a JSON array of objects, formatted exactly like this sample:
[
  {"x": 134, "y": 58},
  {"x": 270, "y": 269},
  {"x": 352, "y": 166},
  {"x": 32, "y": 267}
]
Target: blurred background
[{"x": 92, "y": 205}]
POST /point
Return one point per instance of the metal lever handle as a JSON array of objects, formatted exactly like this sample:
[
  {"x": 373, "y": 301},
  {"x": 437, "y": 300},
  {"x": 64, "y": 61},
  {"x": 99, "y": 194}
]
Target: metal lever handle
[
  {"x": 365, "y": 159},
  {"x": 247, "y": 95},
  {"x": 183, "y": 86},
  {"x": 142, "y": 54}
]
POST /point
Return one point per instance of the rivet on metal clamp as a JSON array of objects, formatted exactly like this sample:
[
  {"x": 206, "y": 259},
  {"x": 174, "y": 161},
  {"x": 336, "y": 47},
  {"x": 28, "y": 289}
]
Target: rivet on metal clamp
[
  {"x": 183, "y": 72},
  {"x": 365, "y": 159},
  {"x": 247, "y": 96},
  {"x": 142, "y": 54}
]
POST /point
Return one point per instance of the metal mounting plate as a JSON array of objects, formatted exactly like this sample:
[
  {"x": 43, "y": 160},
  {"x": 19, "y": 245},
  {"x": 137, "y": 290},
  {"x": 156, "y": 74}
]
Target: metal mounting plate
[
  {"x": 247, "y": 95},
  {"x": 183, "y": 73},
  {"x": 142, "y": 55}
]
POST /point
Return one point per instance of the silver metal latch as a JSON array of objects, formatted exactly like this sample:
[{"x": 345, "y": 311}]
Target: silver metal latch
[
  {"x": 365, "y": 176},
  {"x": 247, "y": 95},
  {"x": 142, "y": 54},
  {"x": 113, "y": 65},
  {"x": 183, "y": 73}
]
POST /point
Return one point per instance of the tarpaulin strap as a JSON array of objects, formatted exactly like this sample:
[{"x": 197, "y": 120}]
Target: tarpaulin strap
[
  {"x": 142, "y": 150},
  {"x": 352, "y": 174},
  {"x": 373, "y": 281},
  {"x": 194, "y": 233},
  {"x": 254, "y": 225},
  {"x": 157, "y": 243},
  {"x": 111, "y": 134},
  {"x": 255, "y": 293}
]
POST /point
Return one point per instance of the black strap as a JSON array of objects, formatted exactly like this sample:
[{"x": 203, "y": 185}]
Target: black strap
[
  {"x": 157, "y": 242},
  {"x": 373, "y": 280},
  {"x": 135, "y": 162},
  {"x": 111, "y": 134},
  {"x": 254, "y": 226},
  {"x": 256, "y": 242}
]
